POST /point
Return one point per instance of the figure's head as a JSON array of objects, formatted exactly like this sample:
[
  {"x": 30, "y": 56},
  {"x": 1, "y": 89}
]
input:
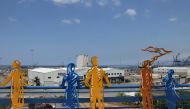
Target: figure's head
[
  {"x": 16, "y": 64},
  {"x": 70, "y": 68},
  {"x": 94, "y": 61},
  {"x": 170, "y": 72}
]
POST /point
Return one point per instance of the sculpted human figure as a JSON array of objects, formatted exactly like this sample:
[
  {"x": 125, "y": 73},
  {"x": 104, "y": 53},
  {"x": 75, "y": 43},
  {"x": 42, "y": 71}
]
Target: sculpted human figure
[
  {"x": 94, "y": 80},
  {"x": 146, "y": 74},
  {"x": 18, "y": 83},
  {"x": 71, "y": 81},
  {"x": 170, "y": 85}
]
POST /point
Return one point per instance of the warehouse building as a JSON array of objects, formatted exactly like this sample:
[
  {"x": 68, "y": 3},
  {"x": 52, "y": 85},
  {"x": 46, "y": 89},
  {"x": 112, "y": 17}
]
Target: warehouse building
[
  {"x": 54, "y": 76},
  {"x": 46, "y": 76}
]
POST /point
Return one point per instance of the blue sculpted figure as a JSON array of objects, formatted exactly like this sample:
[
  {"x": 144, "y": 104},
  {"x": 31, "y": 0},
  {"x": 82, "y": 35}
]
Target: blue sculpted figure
[
  {"x": 171, "y": 94},
  {"x": 71, "y": 81}
]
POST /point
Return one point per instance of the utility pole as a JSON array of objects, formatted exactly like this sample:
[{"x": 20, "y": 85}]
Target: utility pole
[
  {"x": 32, "y": 54},
  {"x": 1, "y": 59},
  {"x": 1, "y": 62}
]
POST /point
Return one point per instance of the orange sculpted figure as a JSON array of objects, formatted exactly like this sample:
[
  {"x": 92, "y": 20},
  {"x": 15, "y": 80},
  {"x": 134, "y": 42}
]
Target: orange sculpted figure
[
  {"x": 16, "y": 77},
  {"x": 147, "y": 80},
  {"x": 94, "y": 80}
]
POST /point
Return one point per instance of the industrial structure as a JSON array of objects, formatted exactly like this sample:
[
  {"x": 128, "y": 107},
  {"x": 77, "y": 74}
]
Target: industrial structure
[
  {"x": 182, "y": 74},
  {"x": 81, "y": 60},
  {"x": 180, "y": 62}
]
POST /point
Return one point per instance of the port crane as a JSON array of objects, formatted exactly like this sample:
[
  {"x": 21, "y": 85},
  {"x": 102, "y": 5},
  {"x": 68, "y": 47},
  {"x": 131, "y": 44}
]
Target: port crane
[{"x": 178, "y": 62}]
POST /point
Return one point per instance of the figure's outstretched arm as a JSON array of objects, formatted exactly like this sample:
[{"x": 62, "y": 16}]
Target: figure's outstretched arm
[
  {"x": 154, "y": 59},
  {"x": 165, "y": 78},
  {"x": 151, "y": 79},
  {"x": 87, "y": 78},
  {"x": 161, "y": 52},
  {"x": 78, "y": 81},
  {"x": 106, "y": 78},
  {"x": 63, "y": 81},
  {"x": 157, "y": 56},
  {"x": 175, "y": 84},
  {"x": 156, "y": 50},
  {"x": 150, "y": 49},
  {"x": 4, "y": 83},
  {"x": 165, "y": 51},
  {"x": 23, "y": 78}
]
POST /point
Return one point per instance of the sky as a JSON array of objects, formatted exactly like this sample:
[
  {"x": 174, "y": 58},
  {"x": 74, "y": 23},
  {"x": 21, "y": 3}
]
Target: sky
[{"x": 114, "y": 30}]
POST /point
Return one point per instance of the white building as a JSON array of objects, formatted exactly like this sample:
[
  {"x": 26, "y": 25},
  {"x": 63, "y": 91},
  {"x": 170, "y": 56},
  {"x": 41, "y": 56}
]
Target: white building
[
  {"x": 54, "y": 76},
  {"x": 47, "y": 76},
  {"x": 182, "y": 74},
  {"x": 82, "y": 61},
  {"x": 181, "y": 71},
  {"x": 115, "y": 75}
]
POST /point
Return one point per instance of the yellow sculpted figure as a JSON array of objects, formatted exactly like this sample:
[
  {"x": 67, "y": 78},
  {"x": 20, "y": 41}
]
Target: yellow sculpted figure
[
  {"x": 16, "y": 77},
  {"x": 94, "y": 80}
]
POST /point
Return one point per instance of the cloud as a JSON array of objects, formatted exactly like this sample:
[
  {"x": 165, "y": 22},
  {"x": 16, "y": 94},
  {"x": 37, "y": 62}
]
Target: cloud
[
  {"x": 147, "y": 13},
  {"x": 116, "y": 16},
  {"x": 173, "y": 19},
  {"x": 131, "y": 12},
  {"x": 116, "y": 2},
  {"x": 67, "y": 21},
  {"x": 76, "y": 21},
  {"x": 23, "y": 1},
  {"x": 12, "y": 19},
  {"x": 61, "y": 2},
  {"x": 165, "y": 0},
  {"x": 64, "y": 2},
  {"x": 71, "y": 21},
  {"x": 87, "y": 3},
  {"x": 162, "y": 1},
  {"x": 102, "y": 2}
]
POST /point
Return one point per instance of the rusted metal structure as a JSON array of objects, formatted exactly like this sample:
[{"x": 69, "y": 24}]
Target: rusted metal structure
[{"x": 146, "y": 73}]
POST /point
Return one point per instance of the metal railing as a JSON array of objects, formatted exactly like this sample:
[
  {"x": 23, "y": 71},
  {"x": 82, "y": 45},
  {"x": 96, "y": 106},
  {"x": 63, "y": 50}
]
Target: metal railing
[{"x": 114, "y": 89}]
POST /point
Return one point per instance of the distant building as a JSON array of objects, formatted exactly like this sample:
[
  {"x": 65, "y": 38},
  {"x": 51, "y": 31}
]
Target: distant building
[
  {"x": 82, "y": 61},
  {"x": 181, "y": 71},
  {"x": 54, "y": 76},
  {"x": 47, "y": 76},
  {"x": 182, "y": 74},
  {"x": 115, "y": 75}
]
